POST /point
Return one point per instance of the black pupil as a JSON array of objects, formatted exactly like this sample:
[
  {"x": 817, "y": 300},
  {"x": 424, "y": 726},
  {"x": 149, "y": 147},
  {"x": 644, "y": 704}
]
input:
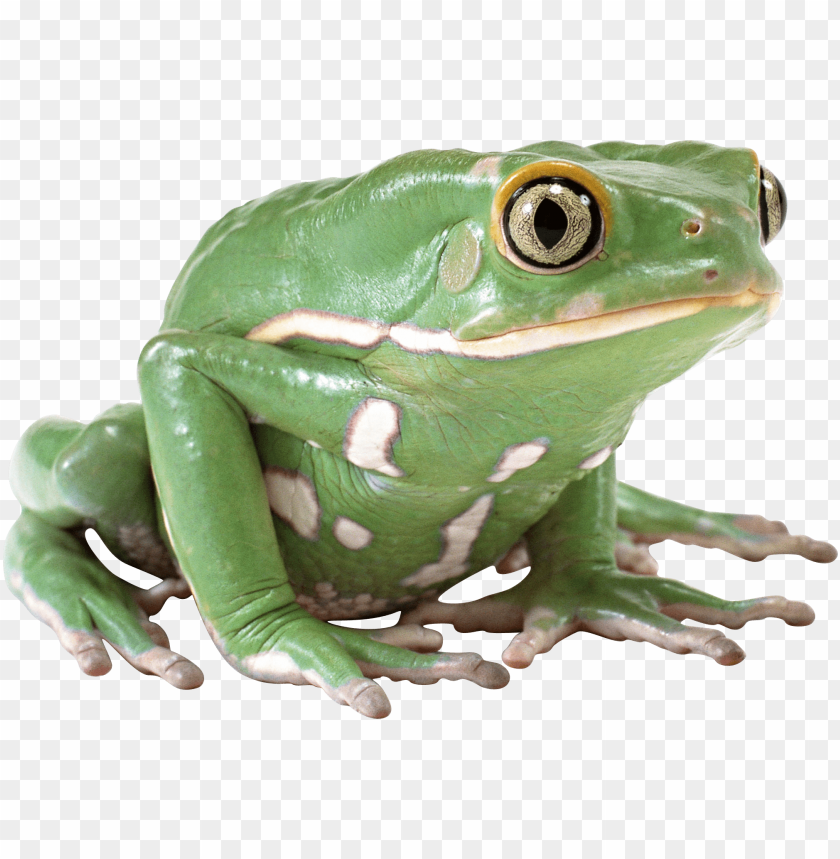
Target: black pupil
[{"x": 550, "y": 223}]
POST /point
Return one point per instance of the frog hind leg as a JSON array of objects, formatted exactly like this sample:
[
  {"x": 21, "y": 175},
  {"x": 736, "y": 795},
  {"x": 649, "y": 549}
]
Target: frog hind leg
[
  {"x": 69, "y": 477},
  {"x": 644, "y": 519}
]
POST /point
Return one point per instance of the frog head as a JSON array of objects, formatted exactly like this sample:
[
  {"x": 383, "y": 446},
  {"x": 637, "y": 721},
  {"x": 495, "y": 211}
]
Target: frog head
[
  {"x": 586, "y": 244},
  {"x": 552, "y": 246}
]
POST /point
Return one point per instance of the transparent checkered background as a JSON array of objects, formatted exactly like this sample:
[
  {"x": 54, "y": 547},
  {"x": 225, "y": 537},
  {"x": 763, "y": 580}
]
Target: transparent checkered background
[{"x": 127, "y": 129}]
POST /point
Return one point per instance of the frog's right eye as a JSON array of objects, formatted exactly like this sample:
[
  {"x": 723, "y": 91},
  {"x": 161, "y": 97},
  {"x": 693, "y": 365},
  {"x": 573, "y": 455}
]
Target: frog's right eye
[
  {"x": 549, "y": 221},
  {"x": 772, "y": 205}
]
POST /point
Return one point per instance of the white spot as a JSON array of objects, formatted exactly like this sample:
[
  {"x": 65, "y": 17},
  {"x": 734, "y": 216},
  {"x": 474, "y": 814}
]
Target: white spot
[
  {"x": 313, "y": 444},
  {"x": 459, "y": 535},
  {"x": 516, "y": 457},
  {"x": 556, "y": 189},
  {"x": 596, "y": 459},
  {"x": 293, "y": 499},
  {"x": 583, "y": 306},
  {"x": 487, "y": 167},
  {"x": 705, "y": 524},
  {"x": 414, "y": 339},
  {"x": 322, "y": 326},
  {"x": 526, "y": 209},
  {"x": 371, "y": 432},
  {"x": 351, "y": 534}
]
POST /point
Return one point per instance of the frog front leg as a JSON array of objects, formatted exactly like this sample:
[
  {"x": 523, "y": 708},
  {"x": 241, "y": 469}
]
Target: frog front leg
[
  {"x": 575, "y": 585},
  {"x": 198, "y": 391}
]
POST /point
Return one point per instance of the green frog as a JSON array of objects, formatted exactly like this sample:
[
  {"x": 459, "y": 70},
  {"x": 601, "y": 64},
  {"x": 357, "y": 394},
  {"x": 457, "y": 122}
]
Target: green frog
[{"x": 367, "y": 389}]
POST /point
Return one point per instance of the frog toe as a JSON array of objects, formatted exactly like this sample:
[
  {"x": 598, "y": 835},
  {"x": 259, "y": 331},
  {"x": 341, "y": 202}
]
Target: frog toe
[
  {"x": 89, "y": 652},
  {"x": 489, "y": 614},
  {"x": 152, "y": 600},
  {"x": 680, "y": 601},
  {"x": 763, "y": 537},
  {"x": 367, "y": 698},
  {"x": 175, "y": 669},
  {"x": 145, "y": 646},
  {"x": 655, "y": 629},
  {"x": 635, "y": 558},
  {"x": 735, "y": 614},
  {"x": 752, "y": 538},
  {"x": 411, "y": 636},
  {"x": 378, "y": 659},
  {"x": 533, "y": 640},
  {"x": 446, "y": 666}
]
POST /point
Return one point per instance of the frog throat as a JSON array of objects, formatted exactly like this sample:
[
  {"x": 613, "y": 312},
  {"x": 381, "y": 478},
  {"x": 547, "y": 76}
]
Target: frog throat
[{"x": 323, "y": 326}]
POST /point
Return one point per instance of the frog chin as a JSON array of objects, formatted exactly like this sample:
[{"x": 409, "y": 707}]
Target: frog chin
[{"x": 322, "y": 326}]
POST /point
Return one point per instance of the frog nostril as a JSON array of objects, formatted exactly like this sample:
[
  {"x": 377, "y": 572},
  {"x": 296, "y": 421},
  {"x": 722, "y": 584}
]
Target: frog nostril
[
  {"x": 691, "y": 227},
  {"x": 710, "y": 275}
]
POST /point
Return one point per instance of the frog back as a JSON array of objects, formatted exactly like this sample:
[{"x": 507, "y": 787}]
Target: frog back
[{"x": 247, "y": 261}]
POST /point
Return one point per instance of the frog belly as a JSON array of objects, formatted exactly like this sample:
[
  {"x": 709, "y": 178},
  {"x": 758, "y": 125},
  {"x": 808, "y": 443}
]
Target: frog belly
[
  {"x": 342, "y": 569},
  {"x": 358, "y": 545}
]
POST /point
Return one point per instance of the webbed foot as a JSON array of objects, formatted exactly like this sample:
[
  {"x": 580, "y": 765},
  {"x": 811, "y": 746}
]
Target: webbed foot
[
  {"x": 612, "y": 604},
  {"x": 290, "y": 646},
  {"x": 61, "y": 581}
]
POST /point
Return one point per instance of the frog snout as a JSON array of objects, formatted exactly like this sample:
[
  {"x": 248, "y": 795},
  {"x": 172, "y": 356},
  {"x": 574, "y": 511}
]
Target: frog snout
[
  {"x": 733, "y": 256},
  {"x": 733, "y": 220}
]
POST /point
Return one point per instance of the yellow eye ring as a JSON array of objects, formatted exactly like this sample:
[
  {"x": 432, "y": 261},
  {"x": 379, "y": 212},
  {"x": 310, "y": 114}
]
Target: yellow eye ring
[{"x": 522, "y": 181}]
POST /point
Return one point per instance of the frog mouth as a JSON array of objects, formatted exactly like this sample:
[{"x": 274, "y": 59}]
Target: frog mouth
[{"x": 326, "y": 327}]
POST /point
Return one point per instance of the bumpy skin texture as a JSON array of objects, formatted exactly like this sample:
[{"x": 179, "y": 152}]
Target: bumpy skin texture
[{"x": 361, "y": 395}]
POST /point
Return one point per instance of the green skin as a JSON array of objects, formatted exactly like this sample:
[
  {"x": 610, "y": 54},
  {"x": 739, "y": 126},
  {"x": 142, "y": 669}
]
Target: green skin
[{"x": 410, "y": 244}]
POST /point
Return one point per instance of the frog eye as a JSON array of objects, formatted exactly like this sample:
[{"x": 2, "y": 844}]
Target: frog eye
[
  {"x": 772, "y": 205},
  {"x": 549, "y": 217}
]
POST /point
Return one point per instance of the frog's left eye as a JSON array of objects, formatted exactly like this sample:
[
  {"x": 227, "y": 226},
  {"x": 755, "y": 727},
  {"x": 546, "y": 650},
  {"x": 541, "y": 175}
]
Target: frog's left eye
[
  {"x": 772, "y": 205},
  {"x": 549, "y": 217},
  {"x": 552, "y": 223}
]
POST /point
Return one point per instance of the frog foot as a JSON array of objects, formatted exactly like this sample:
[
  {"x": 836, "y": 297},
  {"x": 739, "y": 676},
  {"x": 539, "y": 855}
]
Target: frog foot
[
  {"x": 60, "y": 580},
  {"x": 342, "y": 661},
  {"x": 615, "y": 605},
  {"x": 84, "y": 619}
]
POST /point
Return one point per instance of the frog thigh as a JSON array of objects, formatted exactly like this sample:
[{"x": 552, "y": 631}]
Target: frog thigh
[{"x": 97, "y": 475}]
